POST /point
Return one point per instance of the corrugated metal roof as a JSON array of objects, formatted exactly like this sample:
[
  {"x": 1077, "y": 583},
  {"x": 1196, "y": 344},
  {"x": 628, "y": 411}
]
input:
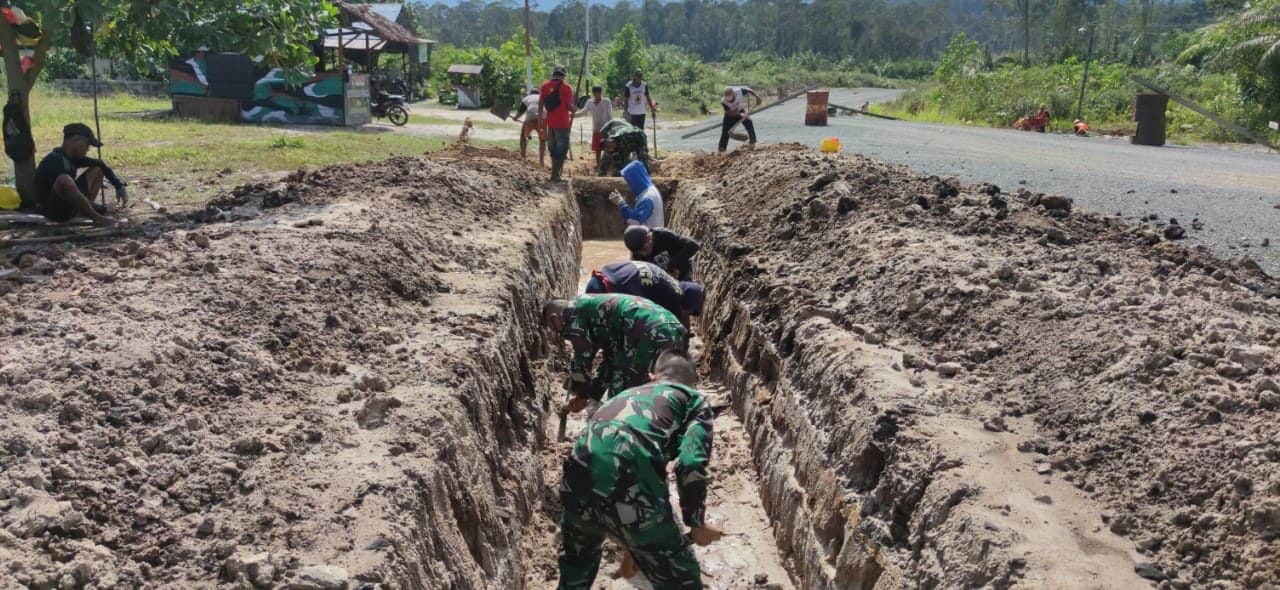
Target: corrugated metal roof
[{"x": 465, "y": 69}]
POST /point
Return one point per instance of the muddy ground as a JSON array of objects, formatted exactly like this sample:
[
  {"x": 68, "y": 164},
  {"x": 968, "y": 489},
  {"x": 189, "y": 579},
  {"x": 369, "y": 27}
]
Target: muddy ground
[
  {"x": 954, "y": 386},
  {"x": 337, "y": 389},
  {"x": 338, "y": 382}
]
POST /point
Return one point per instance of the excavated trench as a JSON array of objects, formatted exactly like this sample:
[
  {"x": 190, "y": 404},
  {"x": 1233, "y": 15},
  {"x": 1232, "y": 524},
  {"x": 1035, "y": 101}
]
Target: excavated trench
[
  {"x": 853, "y": 453},
  {"x": 842, "y": 480}
]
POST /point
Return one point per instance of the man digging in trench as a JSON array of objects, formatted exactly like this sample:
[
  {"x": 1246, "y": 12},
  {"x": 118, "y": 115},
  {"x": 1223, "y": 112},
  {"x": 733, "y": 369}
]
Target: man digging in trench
[
  {"x": 615, "y": 481},
  {"x": 630, "y": 332},
  {"x": 663, "y": 247},
  {"x": 648, "y": 280}
]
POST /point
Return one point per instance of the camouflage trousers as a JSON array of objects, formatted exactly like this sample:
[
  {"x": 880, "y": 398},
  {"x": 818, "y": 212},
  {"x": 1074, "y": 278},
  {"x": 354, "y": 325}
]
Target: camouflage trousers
[{"x": 637, "y": 515}]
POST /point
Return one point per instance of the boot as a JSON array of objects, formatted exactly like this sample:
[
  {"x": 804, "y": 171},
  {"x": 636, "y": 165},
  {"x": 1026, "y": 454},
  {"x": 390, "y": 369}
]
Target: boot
[{"x": 556, "y": 166}]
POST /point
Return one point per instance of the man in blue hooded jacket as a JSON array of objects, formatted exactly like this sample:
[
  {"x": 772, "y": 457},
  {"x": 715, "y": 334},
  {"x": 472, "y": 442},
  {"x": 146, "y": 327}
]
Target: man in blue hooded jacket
[{"x": 646, "y": 208}]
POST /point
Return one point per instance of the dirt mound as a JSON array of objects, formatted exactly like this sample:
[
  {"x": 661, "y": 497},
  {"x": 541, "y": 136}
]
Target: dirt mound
[
  {"x": 333, "y": 392},
  {"x": 880, "y": 328}
]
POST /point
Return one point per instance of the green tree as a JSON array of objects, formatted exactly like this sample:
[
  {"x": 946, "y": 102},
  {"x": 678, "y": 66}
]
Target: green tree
[
  {"x": 503, "y": 79},
  {"x": 1248, "y": 44},
  {"x": 278, "y": 30},
  {"x": 963, "y": 59},
  {"x": 626, "y": 55}
]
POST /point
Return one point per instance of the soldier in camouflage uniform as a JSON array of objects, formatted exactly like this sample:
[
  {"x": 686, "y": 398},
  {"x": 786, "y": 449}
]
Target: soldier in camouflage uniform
[
  {"x": 615, "y": 481},
  {"x": 630, "y": 331},
  {"x": 622, "y": 142}
]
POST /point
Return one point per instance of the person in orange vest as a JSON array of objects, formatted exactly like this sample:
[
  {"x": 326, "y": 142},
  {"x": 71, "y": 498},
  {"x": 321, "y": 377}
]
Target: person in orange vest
[{"x": 1082, "y": 128}]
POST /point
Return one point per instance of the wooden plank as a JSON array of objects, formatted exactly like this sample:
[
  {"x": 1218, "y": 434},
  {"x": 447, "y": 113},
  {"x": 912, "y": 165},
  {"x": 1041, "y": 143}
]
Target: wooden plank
[
  {"x": 862, "y": 112},
  {"x": 1203, "y": 111}
]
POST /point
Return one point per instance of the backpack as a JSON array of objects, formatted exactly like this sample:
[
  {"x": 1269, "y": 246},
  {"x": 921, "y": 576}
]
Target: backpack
[{"x": 553, "y": 99}]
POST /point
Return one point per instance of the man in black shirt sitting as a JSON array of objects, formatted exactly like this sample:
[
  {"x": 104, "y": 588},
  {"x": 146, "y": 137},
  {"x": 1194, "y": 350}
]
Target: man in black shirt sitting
[{"x": 62, "y": 193}]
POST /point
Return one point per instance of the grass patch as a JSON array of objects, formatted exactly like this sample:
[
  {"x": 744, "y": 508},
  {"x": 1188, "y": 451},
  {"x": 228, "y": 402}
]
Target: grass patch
[
  {"x": 285, "y": 142},
  {"x": 184, "y": 160}
]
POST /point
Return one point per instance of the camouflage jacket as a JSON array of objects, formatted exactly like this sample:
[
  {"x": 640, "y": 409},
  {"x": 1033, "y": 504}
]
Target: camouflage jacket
[
  {"x": 634, "y": 435},
  {"x": 629, "y": 331}
]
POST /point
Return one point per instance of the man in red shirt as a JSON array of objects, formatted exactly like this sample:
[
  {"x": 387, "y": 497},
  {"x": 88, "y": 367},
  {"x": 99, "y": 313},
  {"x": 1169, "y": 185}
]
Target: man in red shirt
[{"x": 556, "y": 102}]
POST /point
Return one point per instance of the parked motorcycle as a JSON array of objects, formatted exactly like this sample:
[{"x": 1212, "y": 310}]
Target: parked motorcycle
[{"x": 391, "y": 107}]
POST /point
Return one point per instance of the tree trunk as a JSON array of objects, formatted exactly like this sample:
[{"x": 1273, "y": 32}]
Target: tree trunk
[{"x": 20, "y": 84}]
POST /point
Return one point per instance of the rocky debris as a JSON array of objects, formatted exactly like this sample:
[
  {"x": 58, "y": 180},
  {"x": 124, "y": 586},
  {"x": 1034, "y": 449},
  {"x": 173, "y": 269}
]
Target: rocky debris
[
  {"x": 949, "y": 369},
  {"x": 33, "y": 513},
  {"x": 373, "y": 382},
  {"x": 253, "y": 569},
  {"x": 320, "y": 577},
  {"x": 1253, "y": 358},
  {"x": 1173, "y": 231},
  {"x": 375, "y": 411},
  {"x": 1149, "y": 571},
  {"x": 995, "y": 424},
  {"x": 1054, "y": 203}
]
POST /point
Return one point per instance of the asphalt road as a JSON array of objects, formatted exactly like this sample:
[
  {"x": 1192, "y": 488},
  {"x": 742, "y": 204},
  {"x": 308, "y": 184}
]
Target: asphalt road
[{"x": 1232, "y": 191}]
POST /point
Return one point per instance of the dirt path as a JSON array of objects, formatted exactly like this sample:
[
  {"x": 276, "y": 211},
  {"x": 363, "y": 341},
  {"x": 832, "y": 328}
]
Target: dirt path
[{"x": 748, "y": 555}]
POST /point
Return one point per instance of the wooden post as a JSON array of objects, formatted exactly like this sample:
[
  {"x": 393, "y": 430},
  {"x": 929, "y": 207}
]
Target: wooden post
[{"x": 1204, "y": 112}]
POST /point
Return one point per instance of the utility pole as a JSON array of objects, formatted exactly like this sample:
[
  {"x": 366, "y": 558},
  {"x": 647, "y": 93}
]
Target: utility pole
[
  {"x": 1085, "y": 78},
  {"x": 1026, "y": 33},
  {"x": 528, "y": 52},
  {"x": 586, "y": 58}
]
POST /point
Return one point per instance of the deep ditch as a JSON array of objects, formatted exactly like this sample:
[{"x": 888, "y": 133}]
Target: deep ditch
[{"x": 858, "y": 454}]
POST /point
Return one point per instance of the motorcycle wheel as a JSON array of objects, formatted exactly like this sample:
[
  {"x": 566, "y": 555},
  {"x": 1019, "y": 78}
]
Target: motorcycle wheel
[{"x": 398, "y": 115}]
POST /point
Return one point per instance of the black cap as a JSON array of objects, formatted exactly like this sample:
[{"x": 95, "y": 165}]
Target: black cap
[
  {"x": 80, "y": 130},
  {"x": 635, "y": 237},
  {"x": 597, "y": 89},
  {"x": 558, "y": 71}
]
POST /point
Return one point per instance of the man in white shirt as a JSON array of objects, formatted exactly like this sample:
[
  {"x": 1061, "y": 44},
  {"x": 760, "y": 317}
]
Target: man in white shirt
[
  {"x": 636, "y": 95},
  {"x": 737, "y": 110},
  {"x": 533, "y": 123},
  {"x": 601, "y": 112}
]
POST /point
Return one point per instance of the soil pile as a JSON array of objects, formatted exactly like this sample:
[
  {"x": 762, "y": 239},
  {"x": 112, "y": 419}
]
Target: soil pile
[
  {"x": 333, "y": 390},
  {"x": 954, "y": 385}
]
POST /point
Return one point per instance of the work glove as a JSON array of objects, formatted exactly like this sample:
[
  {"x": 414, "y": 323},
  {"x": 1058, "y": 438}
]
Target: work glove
[
  {"x": 122, "y": 196},
  {"x": 615, "y": 198}
]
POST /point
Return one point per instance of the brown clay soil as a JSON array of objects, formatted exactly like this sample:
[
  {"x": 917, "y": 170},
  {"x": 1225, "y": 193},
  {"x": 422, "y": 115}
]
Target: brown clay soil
[
  {"x": 954, "y": 386},
  {"x": 337, "y": 381},
  {"x": 335, "y": 390}
]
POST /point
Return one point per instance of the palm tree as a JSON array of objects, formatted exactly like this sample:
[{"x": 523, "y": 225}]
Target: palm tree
[{"x": 1248, "y": 40}]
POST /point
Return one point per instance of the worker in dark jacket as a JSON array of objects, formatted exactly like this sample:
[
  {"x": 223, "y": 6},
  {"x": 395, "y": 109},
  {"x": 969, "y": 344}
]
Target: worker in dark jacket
[
  {"x": 62, "y": 191},
  {"x": 648, "y": 280},
  {"x": 663, "y": 247}
]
